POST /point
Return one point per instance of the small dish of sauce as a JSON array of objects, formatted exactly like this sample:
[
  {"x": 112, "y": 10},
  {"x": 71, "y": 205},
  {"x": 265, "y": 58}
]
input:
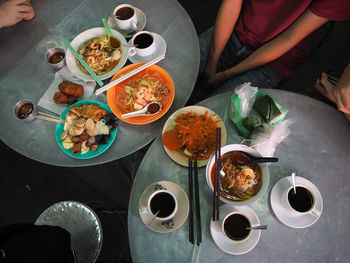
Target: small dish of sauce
[
  {"x": 25, "y": 110},
  {"x": 56, "y": 57}
]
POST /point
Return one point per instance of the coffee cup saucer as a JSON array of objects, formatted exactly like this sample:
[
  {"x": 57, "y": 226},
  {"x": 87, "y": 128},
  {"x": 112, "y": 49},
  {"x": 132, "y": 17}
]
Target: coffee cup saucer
[
  {"x": 181, "y": 215},
  {"x": 280, "y": 210},
  {"x": 235, "y": 247},
  {"x": 141, "y": 23},
  {"x": 160, "y": 50}
]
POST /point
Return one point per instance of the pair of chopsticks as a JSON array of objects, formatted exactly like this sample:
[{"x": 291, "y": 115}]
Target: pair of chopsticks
[
  {"x": 49, "y": 117},
  {"x": 216, "y": 193},
  {"x": 195, "y": 205},
  {"x": 128, "y": 75},
  {"x": 81, "y": 60}
]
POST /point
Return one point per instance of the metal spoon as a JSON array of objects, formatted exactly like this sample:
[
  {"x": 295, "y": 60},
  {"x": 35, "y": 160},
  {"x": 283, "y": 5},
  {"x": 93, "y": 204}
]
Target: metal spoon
[
  {"x": 149, "y": 222},
  {"x": 293, "y": 180},
  {"x": 113, "y": 42},
  {"x": 242, "y": 158},
  {"x": 146, "y": 111},
  {"x": 262, "y": 227}
]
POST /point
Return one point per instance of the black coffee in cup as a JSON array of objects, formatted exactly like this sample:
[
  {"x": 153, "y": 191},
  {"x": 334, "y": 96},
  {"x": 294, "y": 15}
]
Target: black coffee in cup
[
  {"x": 302, "y": 201},
  {"x": 124, "y": 13},
  {"x": 235, "y": 227},
  {"x": 164, "y": 203},
  {"x": 143, "y": 40}
]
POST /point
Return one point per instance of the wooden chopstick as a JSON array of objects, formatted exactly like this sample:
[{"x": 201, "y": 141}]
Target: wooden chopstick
[
  {"x": 190, "y": 185},
  {"x": 218, "y": 176},
  {"x": 49, "y": 119},
  {"x": 198, "y": 210},
  {"x": 216, "y": 192},
  {"x": 49, "y": 115}
]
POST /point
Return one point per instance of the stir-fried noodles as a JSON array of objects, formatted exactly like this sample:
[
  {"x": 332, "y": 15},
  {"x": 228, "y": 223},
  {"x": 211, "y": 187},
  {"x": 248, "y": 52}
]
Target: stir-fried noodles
[{"x": 99, "y": 55}]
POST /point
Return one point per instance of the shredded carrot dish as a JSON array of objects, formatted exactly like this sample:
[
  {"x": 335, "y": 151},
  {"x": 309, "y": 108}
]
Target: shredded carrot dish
[{"x": 193, "y": 134}]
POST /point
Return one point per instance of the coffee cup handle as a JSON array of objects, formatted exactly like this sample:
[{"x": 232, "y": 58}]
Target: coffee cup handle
[
  {"x": 315, "y": 213},
  {"x": 131, "y": 51},
  {"x": 134, "y": 25}
]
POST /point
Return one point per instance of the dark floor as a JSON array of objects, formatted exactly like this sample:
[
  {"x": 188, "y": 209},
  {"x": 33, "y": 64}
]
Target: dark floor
[{"x": 28, "y": 187}]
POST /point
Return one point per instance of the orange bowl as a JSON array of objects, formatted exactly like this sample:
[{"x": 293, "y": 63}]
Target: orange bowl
[{"x": 116, "y": 108}]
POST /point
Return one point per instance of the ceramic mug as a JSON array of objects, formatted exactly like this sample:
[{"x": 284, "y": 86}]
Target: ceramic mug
[
  {"x": 125, "y": 17},
  {"x": 143, "y": 43},
  {"x": 163, "y": 203},
  {"x": 234, "y": 227},
  {"x": 304, "y": 202},
  {"x": 25, "y": 110}
]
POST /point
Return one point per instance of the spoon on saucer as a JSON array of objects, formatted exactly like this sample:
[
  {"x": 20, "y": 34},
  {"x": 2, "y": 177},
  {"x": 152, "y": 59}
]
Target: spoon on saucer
[
  {"x": 262, "y": 227},
  {"x": 113, "y": 42},
  {"x": 152, "y": 219},
  {"x": 149, "y": 110},
  {"x": 247, "y": 158},
  {"x": 293, "y": 180}
]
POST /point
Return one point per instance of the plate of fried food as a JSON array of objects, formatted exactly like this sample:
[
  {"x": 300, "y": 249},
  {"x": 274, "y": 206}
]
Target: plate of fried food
[
  {"x": 190, "y": 133},
  {"x": 153, "y": 84},
  {"x": 93, "y": 46},
  {"x": 89, "y": 129}
]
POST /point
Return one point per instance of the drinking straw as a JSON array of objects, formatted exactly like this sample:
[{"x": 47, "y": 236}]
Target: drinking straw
[
  {"x": 128, "y": 75},
  {"x": 190, "y": 185},
  {"x": 86, "y": 66},
  {"x": 198, "y": 211}
]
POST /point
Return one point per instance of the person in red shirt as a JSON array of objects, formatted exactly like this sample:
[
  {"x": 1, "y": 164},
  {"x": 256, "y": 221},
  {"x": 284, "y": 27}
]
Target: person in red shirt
[{"x": 260, "y": 41}]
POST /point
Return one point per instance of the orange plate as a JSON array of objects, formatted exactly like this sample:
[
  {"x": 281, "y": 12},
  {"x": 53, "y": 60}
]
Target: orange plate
[{"x": 116, "y": 109}]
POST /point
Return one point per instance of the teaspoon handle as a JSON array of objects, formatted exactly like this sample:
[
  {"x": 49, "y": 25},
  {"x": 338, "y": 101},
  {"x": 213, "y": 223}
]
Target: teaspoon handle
[{"x": 262, "y": 227}]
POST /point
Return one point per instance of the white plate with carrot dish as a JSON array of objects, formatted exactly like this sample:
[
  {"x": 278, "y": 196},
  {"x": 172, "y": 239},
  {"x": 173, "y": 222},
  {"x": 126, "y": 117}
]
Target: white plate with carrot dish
[{"x": 190, "y": 132}]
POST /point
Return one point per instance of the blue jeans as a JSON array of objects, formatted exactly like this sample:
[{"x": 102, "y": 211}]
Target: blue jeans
[{"x": 235, "y": 52}]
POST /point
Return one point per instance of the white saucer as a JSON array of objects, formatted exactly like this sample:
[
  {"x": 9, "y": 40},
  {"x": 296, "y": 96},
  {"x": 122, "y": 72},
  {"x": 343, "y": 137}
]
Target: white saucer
[
  {"x": 141, "y": 23},
  {"x": 235, "y": 247},
  {"x": 160, "y": 50},
  {"x": 295, "y": 221},
  {"x": 181, "y": 215}
]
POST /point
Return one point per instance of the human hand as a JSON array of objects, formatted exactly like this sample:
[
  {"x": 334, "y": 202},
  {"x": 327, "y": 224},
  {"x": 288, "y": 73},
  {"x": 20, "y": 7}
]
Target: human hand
[
  {"x": 13, "y": 11},
  {"x": 339, "y": 94},
  {"x": 216, "y": 80}
]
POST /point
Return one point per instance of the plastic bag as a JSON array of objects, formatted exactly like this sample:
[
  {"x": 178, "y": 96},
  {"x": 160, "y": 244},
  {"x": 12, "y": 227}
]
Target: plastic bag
[
  {"x": 265, "y": 140},
  {"x": 248, "y": 111}
]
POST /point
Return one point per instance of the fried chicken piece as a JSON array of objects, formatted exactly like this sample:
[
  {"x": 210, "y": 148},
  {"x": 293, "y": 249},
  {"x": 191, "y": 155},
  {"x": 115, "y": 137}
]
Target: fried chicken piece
[
  {"x": 61, "y": 98},
  {"x": 71, "y": 89}
]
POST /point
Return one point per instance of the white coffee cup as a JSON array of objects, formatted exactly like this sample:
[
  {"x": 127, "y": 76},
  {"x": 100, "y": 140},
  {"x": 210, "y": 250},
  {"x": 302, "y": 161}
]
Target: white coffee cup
[
  {"x": 226, "y": 232},
  {"x": 293, "y": 210},
  {"x": 144, "y": 44},
  {"x": 126, "y": 20},
  {"x": 163, "y": 201}
]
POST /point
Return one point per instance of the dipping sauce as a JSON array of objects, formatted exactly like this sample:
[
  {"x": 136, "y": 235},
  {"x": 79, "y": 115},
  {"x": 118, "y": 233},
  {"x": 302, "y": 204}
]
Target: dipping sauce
[
  {"x": 153, "y": 108},
  {"x": 56, "y": 57},
  {"x": 25, "y": 110}
]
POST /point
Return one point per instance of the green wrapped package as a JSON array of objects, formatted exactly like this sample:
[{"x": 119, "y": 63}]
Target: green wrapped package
[{"x": 266, "y": 112}]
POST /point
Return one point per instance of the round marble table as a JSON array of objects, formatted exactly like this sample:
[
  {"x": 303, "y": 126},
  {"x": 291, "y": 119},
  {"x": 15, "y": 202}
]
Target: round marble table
[
  {"x": 24, "y": 73},
  {"x": 318, "y": 149}
]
